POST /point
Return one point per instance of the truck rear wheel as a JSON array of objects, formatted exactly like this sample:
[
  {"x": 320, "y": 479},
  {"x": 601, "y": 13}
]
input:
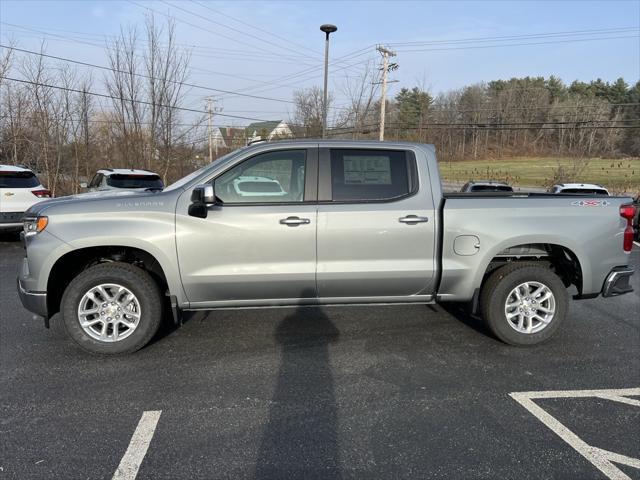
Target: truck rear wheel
[
  {"x": 112, "y": 308},
  {"x": 524, "y": 303}
]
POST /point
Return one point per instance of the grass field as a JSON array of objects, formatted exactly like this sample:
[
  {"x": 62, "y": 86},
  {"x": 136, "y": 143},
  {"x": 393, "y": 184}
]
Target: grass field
[{"x": 616, "y": 174}]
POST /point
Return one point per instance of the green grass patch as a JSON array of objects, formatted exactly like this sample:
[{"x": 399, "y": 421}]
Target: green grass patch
[{"x": 618, "y": 175}]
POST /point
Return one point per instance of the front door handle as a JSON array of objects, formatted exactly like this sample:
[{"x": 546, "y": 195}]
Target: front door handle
[
  {"x": 294, "y": 221},
  {"x": 413, "y": 219}
]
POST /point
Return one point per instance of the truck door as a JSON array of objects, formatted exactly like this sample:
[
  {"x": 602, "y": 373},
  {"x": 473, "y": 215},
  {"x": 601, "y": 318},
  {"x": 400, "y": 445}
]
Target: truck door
[
  {"x": 259, "y": 245},
  {"x": 376, "y": 226}
]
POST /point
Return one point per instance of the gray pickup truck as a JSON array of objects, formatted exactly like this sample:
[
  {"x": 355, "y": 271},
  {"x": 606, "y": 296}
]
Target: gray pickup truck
[{"x": 318, "y": 223}]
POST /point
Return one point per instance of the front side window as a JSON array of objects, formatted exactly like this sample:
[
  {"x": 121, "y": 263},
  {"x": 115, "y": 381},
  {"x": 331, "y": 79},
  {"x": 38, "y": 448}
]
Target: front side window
[
  {"x": 370, "y": 175},
  {"x": 273, "y": 177}
]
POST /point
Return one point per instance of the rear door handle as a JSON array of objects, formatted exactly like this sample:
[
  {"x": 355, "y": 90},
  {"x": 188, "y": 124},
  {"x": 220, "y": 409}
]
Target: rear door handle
[
  {"x": 413, "y": 219},
  {"x": 294, "y": 221}
]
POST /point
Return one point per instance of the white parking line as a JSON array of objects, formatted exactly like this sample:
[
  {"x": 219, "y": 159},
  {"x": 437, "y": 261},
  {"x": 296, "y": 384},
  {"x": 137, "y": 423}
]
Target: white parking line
[
  {"x": 130, "y": 463},
  {"x": 601, "y": 458},
  {"x": 637, "y": 244}
]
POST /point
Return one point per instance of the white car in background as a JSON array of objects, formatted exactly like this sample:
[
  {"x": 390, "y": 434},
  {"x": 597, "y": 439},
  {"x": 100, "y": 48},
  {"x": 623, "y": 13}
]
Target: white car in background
[
  {"x": 579, "y": 189},
  {"x": 246, "y": 186},
  {"x": 123, "y": 179},
  {"x": 19, "y": 189}
]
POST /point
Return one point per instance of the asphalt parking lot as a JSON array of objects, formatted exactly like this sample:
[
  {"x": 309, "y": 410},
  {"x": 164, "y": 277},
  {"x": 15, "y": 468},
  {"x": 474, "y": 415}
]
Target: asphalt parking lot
[{"x": 378, "y": 392}]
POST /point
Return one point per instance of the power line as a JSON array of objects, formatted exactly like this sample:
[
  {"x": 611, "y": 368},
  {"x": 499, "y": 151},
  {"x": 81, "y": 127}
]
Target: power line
[
  {"x": 474, "y": 47},
  {"x": 186, "y": 84},
  {"x": 261, "y": 39},
  {"x": 227, "y": 53},
  {"x": 303, "y": 73},
  {"x": 254, "y": 27},
  {"x": 113, "y": 97},
  {"x": 506, "y": 126},
  {"x": 304, "y": 78},
  {"x": 112, "y": 38},
  {"x": 517, "y": 37},
  {"x": 199, "y": 27},
  {"x": 307, "y": 71}
]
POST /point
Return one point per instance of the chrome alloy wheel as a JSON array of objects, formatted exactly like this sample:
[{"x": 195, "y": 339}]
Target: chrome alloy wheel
[
  {"x": 530, "y": 307},
  {"x": 109, "y": 312}
]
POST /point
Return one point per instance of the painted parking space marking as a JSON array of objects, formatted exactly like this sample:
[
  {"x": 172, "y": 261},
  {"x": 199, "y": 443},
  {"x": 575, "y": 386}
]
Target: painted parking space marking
[
  {"x": 601, "y": 458},
  {"x": 138, "y": 446}
]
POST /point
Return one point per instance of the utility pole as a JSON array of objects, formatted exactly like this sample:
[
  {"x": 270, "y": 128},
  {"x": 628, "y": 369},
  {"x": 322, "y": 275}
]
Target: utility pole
[
  {"x": 210, "y": 129},
  {"x": 386, "y": 53}
]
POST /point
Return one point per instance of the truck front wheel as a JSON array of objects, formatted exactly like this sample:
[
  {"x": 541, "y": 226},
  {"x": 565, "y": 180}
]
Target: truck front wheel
[
  {"x": 112, "y": 308},
  {"x": 524, "y": 303}
]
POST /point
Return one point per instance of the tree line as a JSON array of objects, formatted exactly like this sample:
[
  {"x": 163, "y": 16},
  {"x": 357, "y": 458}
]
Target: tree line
[{"x": 528, "y": 116}]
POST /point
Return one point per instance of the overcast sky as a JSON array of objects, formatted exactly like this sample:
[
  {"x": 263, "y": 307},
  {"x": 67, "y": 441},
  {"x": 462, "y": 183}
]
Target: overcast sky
[{"x": 255, "y": 47}]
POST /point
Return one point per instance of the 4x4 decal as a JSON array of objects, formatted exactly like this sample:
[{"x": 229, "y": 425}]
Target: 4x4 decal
[{"x": 590, "y": 203}]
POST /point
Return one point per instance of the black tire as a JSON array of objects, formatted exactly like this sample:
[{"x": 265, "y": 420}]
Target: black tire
[
  {"x": 499, "y": 285},
  {"x": 139, "y": 282}
]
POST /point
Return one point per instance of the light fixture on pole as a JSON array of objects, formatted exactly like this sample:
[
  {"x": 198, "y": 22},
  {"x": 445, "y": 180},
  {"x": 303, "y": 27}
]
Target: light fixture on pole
[{"x": 327, "y": 29}]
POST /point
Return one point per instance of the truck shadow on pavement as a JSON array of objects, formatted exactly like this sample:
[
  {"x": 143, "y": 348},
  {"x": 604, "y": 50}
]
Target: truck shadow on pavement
[
  {"x": 461, "y": 312},
  {"x": 300, "y": 439}
]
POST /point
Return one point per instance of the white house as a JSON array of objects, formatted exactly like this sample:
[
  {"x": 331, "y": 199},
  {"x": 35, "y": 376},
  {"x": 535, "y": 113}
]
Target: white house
[{"x": 268, "y": 130}]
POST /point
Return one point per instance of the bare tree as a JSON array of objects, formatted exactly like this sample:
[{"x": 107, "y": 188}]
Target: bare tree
[
  {"x": 167, "y": 72},
  {"x": 6, "y": 56},
  {"x": 308, "y": 110},
  {"x": 125, "y": 85},
  {"x": 362, "y": 92},
  {"x": 35, "y": 71}
]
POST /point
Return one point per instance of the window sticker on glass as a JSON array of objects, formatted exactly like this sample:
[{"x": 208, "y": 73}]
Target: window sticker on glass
[{"x": 361, "y": 170}]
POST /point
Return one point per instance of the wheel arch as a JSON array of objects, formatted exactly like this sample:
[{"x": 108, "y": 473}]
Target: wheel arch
[
  {"x": 71, "y": 263},
  {"x": 565, "y": 260}
]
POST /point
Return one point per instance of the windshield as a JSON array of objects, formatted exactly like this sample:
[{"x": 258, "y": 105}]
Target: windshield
[
  {"x": 491, "y": 188},
  {"x": 134, "y": 181},
  {"x": 184, "y": 180},
  {"x": 18, "y": 180},
  {"x": 584, "y": 191}
]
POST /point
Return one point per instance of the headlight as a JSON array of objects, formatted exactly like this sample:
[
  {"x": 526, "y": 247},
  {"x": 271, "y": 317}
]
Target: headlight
[{"x": 34, "y": 225}]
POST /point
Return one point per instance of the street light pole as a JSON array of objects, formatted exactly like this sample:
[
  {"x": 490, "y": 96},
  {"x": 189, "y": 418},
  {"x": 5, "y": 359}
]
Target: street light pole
[{"x": 327, "y": 29}]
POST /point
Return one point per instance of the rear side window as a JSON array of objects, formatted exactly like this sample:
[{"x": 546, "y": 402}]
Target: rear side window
[
  {"x": 371, "y": 175},
  {"x": 18, "y": 180},
  {"x": 118, "y": 180}
]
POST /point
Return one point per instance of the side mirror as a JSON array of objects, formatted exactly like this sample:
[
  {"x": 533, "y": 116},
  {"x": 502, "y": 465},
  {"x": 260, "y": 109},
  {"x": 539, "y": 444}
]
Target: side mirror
[
  {"x": 203, "y": 194},
  {"x": 202, "y": 197},
  {"x": 83, "y": 184}
]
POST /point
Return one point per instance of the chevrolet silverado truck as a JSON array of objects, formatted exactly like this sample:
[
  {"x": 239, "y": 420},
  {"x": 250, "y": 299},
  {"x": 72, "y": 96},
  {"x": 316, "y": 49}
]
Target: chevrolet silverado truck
[{"x": 355, "y": 223}]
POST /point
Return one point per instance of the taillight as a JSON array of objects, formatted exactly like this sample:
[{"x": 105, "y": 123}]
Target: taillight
[
  {"x": 42, "y": 193},
  {"x": 627, "y": 212}
]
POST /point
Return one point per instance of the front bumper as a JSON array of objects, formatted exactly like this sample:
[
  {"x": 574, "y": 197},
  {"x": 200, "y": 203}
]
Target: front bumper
[
  {"x": 35, "y": 302},
  {"x": 617, "y": 282}
]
